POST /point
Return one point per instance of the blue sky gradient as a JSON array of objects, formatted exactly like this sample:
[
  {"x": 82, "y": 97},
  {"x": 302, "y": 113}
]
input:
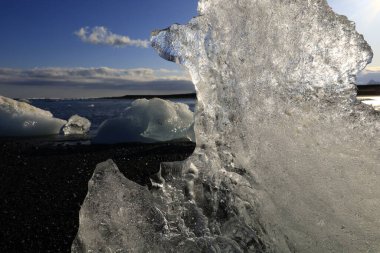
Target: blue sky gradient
[{"x": 41, "y": 34}]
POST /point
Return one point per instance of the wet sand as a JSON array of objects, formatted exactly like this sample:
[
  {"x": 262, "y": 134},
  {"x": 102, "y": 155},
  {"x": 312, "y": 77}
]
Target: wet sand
[{"x": 43, "y": 185}]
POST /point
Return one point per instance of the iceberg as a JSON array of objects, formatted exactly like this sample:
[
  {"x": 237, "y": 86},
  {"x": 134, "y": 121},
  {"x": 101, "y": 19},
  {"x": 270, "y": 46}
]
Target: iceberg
[
  {"x": 287, "y": 158},
  {"x": 20, "y": 119},
  {"x": 77, "y": 125},
  {"x": 148, "y": 121}
]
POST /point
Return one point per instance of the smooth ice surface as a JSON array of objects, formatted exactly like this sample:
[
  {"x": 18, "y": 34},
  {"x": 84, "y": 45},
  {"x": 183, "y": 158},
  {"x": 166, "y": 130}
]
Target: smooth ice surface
[
  {"x": 287, "y": 159},
  {"x": 77, "y": 125},
  {"x": 22, "y": 119},
  {"x": 148, "y": 121}
]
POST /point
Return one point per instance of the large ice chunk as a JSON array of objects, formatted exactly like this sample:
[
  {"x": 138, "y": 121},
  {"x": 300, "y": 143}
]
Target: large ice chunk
[
  {"x": 77, "y": 125},
  {"x": 277, "y": 109},
  {"x": 287, "y": 159},
  {"x": 148, "y": 121},
  {"x": 22, "y": 119}
]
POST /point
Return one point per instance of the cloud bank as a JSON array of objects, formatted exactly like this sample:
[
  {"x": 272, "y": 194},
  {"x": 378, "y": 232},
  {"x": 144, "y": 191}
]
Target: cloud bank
[
  {"x": 102, "y": 82},
  {"x": 369, "y": 75},
  {"x": 100, "y": 35},
  {"x": 92, "y": 82}
]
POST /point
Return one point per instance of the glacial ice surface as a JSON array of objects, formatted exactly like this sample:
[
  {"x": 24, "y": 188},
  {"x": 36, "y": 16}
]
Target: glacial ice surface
[
  {"x": 20, "y": 119},
  {"x": 287, "y": 158},
  {"x": 148, "y": 121},
  {"x": 77, "y": 125}
]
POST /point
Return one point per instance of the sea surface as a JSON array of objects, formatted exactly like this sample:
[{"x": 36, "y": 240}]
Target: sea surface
[{"x": 96, "y": 110}]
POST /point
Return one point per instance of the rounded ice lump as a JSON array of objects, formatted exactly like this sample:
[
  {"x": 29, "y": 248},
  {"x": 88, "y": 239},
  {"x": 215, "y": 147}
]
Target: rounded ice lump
[
  {"x": 20, "y": 119},
  {"x": 148, "y": 121}
]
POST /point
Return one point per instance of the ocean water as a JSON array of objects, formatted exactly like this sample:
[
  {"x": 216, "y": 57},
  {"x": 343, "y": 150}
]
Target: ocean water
[
  {"x": 96, "y": 110},
  {"x": 99, "y": 110}
]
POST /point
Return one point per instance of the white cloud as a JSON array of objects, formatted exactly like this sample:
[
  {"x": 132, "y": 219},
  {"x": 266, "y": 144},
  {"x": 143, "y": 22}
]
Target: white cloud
[
  {"x": 90, "y": 75},
  {"x": 100, "y": 35},
  {"x": 87, "y": 82},
  {"x": 372, "y": 69}
]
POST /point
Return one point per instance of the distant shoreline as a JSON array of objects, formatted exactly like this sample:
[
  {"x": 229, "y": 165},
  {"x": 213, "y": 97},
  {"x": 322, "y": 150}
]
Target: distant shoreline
[
  {"x": 369, "y": 90},
  {"x": 363, "y": 90},
  {"x": 162, "y": 96}
]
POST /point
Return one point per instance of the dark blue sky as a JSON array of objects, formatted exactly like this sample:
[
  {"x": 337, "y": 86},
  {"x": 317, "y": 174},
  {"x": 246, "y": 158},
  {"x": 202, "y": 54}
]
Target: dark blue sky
[
  {"x": 40, "y": 33},
  {"x": 43, "y": 54}
]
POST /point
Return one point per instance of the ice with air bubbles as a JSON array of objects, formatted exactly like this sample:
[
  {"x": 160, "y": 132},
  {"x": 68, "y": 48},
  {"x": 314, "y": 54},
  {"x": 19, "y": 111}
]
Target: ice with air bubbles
[
  {"x": 77, "y": 125},
  {"x": 287, "y": 158}
]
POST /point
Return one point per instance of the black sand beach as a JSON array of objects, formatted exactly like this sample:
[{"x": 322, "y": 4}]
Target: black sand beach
[{"x": 43, "y": 185}]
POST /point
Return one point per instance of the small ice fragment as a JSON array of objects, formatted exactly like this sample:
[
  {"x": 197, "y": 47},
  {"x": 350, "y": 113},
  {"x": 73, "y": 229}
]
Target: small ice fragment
[
  {"x": 106, "y": 213},
  {"x": 77, "y": 125}
]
